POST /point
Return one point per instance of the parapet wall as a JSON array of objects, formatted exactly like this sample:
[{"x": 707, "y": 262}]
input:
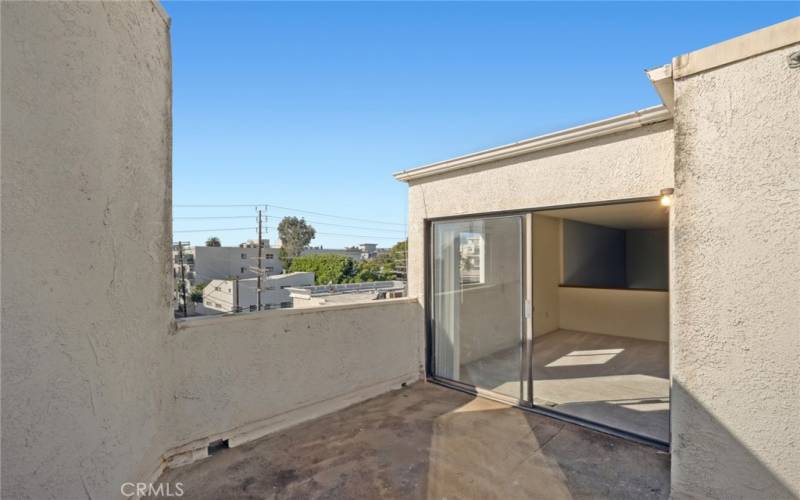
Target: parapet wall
[{"x": 239, "y": 377}]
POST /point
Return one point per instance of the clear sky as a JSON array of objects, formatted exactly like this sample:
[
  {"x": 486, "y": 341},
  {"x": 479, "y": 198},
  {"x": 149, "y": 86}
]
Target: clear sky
[{"x": 313, "y": 106}]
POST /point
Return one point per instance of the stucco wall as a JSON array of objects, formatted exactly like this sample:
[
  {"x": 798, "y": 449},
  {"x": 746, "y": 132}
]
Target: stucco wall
[
  {"x": 736, "y": 281},
  {"x": 240, "y": 375},
  {"x": 631, "y": 164},
  {"x": 85, "y": 245}
]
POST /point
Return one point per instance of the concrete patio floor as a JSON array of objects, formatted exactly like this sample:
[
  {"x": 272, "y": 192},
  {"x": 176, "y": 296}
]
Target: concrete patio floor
[{"x": 426, "y": 441}]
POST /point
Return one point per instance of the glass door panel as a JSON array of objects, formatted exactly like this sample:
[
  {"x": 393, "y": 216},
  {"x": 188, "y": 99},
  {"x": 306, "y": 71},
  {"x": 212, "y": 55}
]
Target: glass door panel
[{"x": 478, "y": 304}]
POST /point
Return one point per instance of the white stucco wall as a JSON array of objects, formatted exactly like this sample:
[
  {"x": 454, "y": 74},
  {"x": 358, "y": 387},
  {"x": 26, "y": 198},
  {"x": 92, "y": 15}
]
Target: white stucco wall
[
  {"x": 85, "y": 245},
  {"x": 736, "y": 281},
  {"x": 241, "y": 376}
]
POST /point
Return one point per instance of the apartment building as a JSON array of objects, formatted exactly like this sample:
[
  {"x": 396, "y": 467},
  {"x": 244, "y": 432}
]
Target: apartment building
[
  {"x": 224, "y": 296},
  {"x": 202, "y": 263},
  {"x": 363, "y": 251},
  {"x": 345, "y": 293}
]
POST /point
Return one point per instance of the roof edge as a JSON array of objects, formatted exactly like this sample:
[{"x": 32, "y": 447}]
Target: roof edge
[
  {"x": 599, "y": 128},
  {"x": 735, "y": 49}
]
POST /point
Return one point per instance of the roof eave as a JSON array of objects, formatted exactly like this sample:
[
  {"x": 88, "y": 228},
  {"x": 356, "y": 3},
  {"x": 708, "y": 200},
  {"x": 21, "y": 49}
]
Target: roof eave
[{"x": 592, "y": 130}]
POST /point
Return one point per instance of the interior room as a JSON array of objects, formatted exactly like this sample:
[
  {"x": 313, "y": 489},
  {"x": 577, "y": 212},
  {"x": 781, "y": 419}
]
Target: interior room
[
  {"x": 601, "y": 315},
  {"x": 600, "y": 306}
]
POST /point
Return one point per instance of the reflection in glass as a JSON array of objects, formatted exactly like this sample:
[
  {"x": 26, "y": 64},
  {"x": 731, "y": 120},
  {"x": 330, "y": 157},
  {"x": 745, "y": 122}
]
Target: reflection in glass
[{"x": 477, "y": 303}]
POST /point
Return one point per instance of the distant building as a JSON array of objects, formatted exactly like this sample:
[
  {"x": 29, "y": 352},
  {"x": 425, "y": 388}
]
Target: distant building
[
  {"x": 320, "y": 295},
  {"x": 364, "y": 251},
  {"x": 223, "y": 296},
  {"x": 203, "y": 264}
]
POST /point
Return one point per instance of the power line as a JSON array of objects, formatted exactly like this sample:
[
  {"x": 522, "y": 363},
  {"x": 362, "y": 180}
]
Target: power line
[
  {"x": 267, "y": 217},
  {"x": 385, "y": 230},
  {"x": 216, "y": 230},
  {"x": 217, "y": 217},
  {"x": 372, "y": 221},
  {"x": 337, "y": 216},
  {"x": 213, "y": 230}
]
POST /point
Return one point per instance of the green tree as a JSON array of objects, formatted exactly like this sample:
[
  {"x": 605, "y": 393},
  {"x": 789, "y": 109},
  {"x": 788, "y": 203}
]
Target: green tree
[
  {"x": 327, "y": 268},
  {"x": 393, "y": 262},
  {"x": 370, "y": 270},
  {"x": 295, "y": 235},
  {"x": 213, "y": 241},
  {"x": 197, "y": 292}
]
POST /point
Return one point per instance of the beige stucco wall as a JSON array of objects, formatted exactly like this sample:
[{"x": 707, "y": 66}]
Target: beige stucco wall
[
  {"x": 243, "y": 375},
  {"x": 736, "y": 281},
  {"x": 630, "y": 164},
  {"x": 85, "y": 245}
]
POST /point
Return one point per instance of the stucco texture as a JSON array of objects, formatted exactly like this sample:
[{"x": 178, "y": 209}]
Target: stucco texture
[
  {"x": 631, "y": 164},
  {"x": 736, "y": 281},
  {"x": 237, "y": 371},
  {"x": 85, "y": 245}
]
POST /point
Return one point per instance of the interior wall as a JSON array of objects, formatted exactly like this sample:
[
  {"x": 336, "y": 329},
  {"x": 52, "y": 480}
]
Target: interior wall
[
  {"x": 593, "y": 255},
  {"x": 546, "y": 274},
  {"x": 86, "y": 145},
  {"x": 736, "y": 278},
  {"x": 490, "y": 314},
  {"x": 640, "y": 314},
  {"x": 647, "y": 258}
]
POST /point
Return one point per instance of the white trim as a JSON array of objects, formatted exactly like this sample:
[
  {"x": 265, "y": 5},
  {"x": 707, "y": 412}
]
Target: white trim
[
  {"x": 735, "y": 49},
  {"x": 661, "y": 78},
  {"x": 600, "y": 128}
]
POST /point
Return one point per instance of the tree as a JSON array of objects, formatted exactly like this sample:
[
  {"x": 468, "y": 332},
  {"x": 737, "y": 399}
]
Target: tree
[
  {"x": 213, "y": 241},
  {"x": 327, "y": 268},
  {"x": 370, "y": 270},
  {"x": 295, "y": 235},
  {"x": 197, "y": 292},
  {"x": 393, "y": 262}
]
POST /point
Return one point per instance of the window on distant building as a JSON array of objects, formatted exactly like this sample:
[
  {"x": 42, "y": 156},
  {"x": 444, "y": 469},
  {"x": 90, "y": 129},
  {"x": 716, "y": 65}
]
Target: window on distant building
[
  {"x": 242, "y": 269},
  {"x": 269, "y": 256},
  {"x": 244, "y": 255},
  {"x": 217, "y": 289},
  {"x": 286, "y": 305},
  {"x": 268, "y": 269}
]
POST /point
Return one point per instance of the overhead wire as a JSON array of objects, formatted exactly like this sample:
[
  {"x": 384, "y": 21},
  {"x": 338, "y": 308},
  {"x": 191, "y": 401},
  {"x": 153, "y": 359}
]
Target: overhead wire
[{"x": 298, "y": 210}]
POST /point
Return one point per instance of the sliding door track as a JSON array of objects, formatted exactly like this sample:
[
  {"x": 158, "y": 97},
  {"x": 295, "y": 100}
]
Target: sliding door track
[{"x": 540, "y": 410}]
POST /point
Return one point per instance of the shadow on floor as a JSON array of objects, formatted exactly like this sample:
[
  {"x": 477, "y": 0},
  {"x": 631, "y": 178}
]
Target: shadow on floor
[{"x": 426, "y": 441}]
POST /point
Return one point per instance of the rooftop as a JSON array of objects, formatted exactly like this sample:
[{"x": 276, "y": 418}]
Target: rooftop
[{"x": 425, "y": 441}]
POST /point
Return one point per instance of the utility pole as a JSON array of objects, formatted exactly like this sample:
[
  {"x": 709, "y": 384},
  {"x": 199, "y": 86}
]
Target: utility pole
[
  {"x": 183, "y": 278},
  {"x": 236, "y": 307},
  {"x": 258, "y": 279}
]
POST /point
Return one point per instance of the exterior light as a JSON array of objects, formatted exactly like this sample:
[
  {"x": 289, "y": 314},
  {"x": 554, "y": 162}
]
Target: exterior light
[{"x": 666, "y": 197}]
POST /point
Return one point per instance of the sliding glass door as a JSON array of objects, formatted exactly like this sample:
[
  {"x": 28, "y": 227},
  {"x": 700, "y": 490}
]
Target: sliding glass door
[{"x": 477, "y": 304}]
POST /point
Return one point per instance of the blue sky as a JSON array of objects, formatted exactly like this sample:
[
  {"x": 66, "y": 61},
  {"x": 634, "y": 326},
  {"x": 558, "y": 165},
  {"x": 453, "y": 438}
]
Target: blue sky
[{"x": 313, "y": 106}]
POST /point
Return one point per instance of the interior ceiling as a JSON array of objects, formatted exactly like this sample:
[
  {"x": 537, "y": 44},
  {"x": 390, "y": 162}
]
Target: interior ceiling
[{"x": 639, "y": 215}]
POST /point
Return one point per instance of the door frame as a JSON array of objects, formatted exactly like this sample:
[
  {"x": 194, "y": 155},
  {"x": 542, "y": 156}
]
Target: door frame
[{"x": 526, "y": 401}]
